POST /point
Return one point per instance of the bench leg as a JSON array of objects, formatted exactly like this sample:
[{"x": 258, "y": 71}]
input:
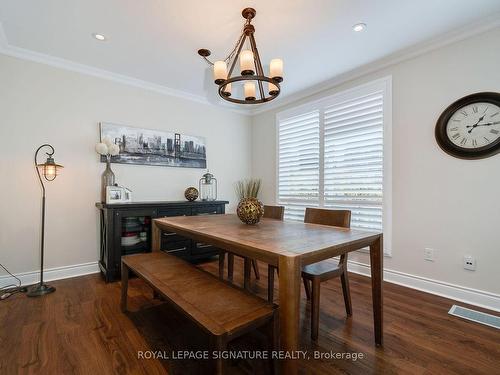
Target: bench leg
[
  {"x": 219, "y": 344},
  {"x": 272, "y": 334},
  {"x": 125, "y": 274}
]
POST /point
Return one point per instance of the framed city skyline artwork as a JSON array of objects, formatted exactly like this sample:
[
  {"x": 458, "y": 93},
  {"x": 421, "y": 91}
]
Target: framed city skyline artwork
[{"x": 154, "y": 147}]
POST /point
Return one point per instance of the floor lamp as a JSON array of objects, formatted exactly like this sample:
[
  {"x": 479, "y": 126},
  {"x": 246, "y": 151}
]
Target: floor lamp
[{"x": 49, "y": 170}]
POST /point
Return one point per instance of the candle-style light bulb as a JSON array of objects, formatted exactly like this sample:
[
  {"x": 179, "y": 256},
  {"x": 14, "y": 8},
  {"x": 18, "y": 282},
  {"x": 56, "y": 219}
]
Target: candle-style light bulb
[
  {"x": 273, "y": 89},
  {"x": 249, "y": 89},
  {"x": 50, "y": 172},
  {"x": 246, "y": 63},
  {"x": 220, "y": 72},
  {"x": 276, "y": 69},
  {"x": 227, "y": 90}
]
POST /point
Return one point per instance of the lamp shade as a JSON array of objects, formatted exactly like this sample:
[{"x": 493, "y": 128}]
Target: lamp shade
[{"x": 50, "y": 169}]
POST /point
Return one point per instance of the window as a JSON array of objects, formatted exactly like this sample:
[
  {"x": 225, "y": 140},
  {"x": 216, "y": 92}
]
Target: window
[{"x": 335, "y": 153}]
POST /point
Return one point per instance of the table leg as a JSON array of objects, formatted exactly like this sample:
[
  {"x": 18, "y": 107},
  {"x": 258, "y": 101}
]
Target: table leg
[
  {"x": 155, "y": 237},
  {"x": 125, "y": 273},
  {"x": 377, "y": 269},
  {"x": 289, "y": 302}
]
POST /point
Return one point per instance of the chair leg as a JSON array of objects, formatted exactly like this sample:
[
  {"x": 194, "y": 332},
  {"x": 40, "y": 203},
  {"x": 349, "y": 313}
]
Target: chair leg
[
  {"x": 255, "y": 267},
  {"x": 247, "y": 271},
  {"x": 230, "y": 266},
  {"x": 222, "y": 256},
  {"x": 270, "y": 283},
  {"x": 307, "y": 287},
  {"x": 315, "y": 308},
  {"x": 347, "y": 293}
]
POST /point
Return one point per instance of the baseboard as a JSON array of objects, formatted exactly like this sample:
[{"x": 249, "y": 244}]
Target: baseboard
[
  {"x": 471, "y": 296},
  {"x": 32, "y": 277}
]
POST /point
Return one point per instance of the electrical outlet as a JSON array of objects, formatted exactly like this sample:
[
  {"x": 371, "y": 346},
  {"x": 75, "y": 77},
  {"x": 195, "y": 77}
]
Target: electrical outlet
[
  {"x": 469, "y": 262},
  {"x": 429, "y": 254}
]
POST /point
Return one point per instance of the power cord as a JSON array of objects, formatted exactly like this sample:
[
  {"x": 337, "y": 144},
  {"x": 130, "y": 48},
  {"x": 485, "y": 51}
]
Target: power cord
[{"x": 8, "y": 290}]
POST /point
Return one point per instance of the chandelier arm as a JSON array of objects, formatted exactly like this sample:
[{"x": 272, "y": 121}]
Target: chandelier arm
[
  {"x": 208, "y": 61},
  {"x": 258, "y": 64},
  {"x": 242, "y": 42}
]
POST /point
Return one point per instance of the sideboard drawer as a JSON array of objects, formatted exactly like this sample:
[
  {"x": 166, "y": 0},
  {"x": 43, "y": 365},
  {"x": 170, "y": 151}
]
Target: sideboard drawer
[
  {"x": 167, "y": 237},
  {"x": 207, "y": 210},
  {"x": 180, "y": 211},
  {"x": 179, "y": 248}
]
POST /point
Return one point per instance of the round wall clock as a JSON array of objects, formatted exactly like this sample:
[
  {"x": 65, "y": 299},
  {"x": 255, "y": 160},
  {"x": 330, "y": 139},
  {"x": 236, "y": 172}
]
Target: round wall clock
[{"x": 470, "y": 127}]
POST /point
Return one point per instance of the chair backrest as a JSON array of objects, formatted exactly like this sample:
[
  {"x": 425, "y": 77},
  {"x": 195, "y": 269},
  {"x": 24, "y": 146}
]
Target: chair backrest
[
  {"x": 274, "y": 212},
  {"x": 336, "y": 218}
]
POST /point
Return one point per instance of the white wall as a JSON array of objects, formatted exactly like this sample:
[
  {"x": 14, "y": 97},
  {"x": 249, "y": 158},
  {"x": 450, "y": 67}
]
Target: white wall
[
  {"x": 448, "y": 204},
  {"x": 40, "y": 104}
]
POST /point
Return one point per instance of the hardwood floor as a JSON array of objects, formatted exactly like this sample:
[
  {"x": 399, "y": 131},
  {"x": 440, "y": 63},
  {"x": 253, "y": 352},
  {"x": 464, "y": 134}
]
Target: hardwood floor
[{"x": 79, "y": 329}]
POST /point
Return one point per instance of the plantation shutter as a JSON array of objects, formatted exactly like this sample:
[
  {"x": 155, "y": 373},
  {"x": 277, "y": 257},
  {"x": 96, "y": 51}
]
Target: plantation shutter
[
  {"x": 298, "y": 163},
  {"x": 353, "y": 159}
]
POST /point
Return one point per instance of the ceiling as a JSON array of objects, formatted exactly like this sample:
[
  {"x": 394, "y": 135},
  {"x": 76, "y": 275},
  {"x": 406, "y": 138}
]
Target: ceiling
[{"x": 156, "y": 41}]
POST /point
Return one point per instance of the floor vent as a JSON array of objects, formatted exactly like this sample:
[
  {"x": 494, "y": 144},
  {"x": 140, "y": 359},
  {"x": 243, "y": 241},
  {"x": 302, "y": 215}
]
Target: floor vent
[{"x": 475, "y": 316}]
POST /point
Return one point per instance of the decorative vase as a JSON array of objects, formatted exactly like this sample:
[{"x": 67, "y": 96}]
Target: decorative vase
[
  {"x": 107, "y": 178},
  {"x": 191, "y": 193},
  {"x": 250, "y": 210}
]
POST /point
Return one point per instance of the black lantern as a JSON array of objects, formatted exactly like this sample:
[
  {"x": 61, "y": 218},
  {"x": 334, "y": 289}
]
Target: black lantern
[{"x": 208, "y": 187}]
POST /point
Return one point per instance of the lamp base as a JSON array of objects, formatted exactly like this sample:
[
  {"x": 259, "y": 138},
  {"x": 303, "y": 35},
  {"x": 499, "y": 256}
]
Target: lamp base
[{"x": 39, "y": 290}]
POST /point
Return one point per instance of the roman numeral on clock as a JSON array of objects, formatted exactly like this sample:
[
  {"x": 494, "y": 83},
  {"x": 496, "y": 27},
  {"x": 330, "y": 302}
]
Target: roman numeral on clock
[
  {"x": 455, "y": 136},
  {"x": 494, "y": 131},
  {"x": 474, "y": 142},
  {"x": 463, "y": 141},
  {"x": 474, "y": 108}
]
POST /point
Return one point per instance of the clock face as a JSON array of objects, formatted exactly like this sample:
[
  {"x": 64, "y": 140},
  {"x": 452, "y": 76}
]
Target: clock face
[
  {"x": 470, "y": 127},
  {"x": 474, "y": 125}
]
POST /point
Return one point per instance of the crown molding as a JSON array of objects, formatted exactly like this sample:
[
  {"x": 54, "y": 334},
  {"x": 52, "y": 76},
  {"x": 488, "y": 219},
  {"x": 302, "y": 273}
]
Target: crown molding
[
  {"x": 25, "y": 54},
  {"x": 416, "y": 50}
]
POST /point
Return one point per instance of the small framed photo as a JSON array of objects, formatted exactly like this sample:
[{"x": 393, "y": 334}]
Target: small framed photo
[{"x": 114, "y": 194}]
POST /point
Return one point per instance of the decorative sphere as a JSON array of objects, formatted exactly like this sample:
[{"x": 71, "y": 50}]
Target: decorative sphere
[
  {"x": 250, "y": 210},
  {"x": 191, "y": 193}
]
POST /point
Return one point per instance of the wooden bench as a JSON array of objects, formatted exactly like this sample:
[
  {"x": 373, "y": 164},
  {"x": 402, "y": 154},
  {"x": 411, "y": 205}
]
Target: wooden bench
[{"x": 219, "y": 308}]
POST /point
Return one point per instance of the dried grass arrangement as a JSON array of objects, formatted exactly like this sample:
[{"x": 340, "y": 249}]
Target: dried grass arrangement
[{"x": 248, "y": 188}]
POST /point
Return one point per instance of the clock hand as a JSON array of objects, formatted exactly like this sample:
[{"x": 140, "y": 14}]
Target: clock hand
[
  {"x": 487, "y": 124},
  {"x": 476, "y": 124}
]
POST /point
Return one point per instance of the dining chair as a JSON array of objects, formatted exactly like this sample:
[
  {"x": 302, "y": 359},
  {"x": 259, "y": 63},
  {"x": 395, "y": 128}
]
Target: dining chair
[
  {"x": 270, "y": 212},
  {"x": 322, "y": 271}
]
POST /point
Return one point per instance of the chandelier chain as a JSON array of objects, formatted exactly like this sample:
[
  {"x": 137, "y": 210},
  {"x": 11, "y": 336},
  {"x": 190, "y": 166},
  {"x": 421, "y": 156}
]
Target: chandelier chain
[{"x": 235, "y": 48}]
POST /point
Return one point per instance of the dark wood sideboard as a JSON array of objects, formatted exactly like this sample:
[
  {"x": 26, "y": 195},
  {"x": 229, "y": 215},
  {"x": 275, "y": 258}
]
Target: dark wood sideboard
[{"x": 126, "y": 229}]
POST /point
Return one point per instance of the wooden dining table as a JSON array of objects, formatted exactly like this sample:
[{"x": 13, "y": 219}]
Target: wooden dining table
[{"x": 288, "y": 246}]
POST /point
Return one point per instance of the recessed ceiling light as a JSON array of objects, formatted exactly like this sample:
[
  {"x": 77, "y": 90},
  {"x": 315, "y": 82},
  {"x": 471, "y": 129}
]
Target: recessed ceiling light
[
  {"x": 99, "y": 37},
  {"x": 359, "y": 27}
]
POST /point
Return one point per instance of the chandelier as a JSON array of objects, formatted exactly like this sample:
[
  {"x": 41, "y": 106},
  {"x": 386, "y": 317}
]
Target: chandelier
[{"x": 257, "y": 87}]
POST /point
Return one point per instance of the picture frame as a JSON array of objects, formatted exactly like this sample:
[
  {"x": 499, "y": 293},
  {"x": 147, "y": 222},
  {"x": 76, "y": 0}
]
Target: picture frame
[
  {"x": 154, "y": 147},
  {"x": 118, "y": 194}
]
